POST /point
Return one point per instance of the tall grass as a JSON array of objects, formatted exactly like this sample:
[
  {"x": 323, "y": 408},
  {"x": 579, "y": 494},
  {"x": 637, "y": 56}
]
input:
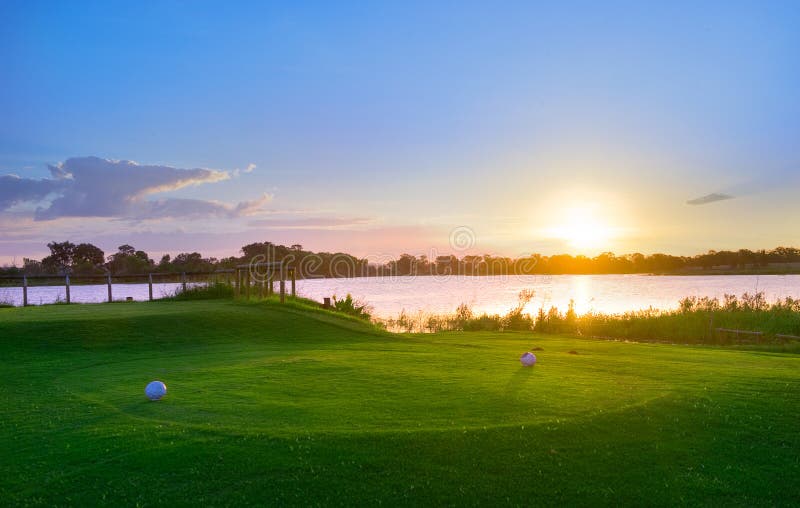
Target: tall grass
[
  {"x": 464, "y": 320},
  {"x": 695, "y": 321},
  {"x": 213, "y": 291}
]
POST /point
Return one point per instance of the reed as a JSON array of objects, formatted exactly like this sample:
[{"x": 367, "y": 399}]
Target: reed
[{"x": 694, "y": 321}]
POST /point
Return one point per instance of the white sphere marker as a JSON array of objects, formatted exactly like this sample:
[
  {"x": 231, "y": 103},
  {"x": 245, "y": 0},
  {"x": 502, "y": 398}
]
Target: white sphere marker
[
  {"x": 528, "y": 359},
  {"x": 155, "y": 390}
]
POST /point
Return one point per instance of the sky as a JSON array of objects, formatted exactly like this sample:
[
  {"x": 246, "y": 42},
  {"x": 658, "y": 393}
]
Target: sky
[{"x": 379, "y": 128}]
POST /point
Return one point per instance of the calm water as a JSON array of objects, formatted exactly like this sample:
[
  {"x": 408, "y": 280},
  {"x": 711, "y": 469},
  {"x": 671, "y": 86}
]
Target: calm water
[
  {"x": 600, "y": 293},
  {"x": 86, "y": 294},
  {"x": 390, "y": 295}
]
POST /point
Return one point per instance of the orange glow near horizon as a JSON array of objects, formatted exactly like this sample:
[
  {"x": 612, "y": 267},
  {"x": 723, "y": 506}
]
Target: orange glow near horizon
[{"x": 584, "y": 228}]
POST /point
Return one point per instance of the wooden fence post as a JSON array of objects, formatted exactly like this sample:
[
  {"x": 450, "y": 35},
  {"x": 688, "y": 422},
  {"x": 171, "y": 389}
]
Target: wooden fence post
[
  {"x": 294, "y": 290},
  {"x": 108, "y": 281},
  {"x": 66, "y": 286},
  {"x": 247, "y": 281},
  {"x": 283, "y": 286},
  {"x": 183, "y": 280},
  {"x": 24, "y": 291},
  {"x": 150, "y": 286}
]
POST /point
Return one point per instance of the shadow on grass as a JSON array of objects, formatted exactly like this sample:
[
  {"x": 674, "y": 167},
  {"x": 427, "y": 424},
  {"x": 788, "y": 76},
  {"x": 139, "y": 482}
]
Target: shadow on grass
[{"x": 519, "y": 380}]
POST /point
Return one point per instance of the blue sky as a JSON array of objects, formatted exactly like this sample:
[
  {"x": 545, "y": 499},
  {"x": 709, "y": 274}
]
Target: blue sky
[{"x": 378, "y": 128}]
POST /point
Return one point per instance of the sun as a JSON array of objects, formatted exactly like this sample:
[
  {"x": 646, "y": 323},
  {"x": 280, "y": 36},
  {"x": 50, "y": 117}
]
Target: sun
[{"x": 583, "y": 228}]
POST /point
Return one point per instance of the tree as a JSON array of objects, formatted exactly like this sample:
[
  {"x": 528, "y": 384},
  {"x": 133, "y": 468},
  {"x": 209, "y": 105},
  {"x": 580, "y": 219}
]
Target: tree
[
  {"x": 128, "y": 260},
  {"x": 87, "y": 259},
  {"x": 165, "y": 264},
  {"x": 404, "y": 265},
  {"x": 126, "y": 249},
  {"x": 32, "y": 266},
  {"x": 86, "y": 253},
  {"x": 193, "y": 262},
  {"x": 60, "y": 258}
]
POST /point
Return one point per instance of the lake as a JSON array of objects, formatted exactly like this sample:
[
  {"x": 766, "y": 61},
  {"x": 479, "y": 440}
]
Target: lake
[{"x": 388, "y": 296}]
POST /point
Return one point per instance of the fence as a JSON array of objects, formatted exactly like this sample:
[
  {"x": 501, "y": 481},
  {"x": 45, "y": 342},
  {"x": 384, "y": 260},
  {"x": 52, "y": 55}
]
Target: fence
[
  {"x": 265, "y": 280},
  {"x": 244, "y": 278}
]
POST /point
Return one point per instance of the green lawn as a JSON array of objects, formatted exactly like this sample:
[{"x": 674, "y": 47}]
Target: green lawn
[{"x": 282, "y": 405}]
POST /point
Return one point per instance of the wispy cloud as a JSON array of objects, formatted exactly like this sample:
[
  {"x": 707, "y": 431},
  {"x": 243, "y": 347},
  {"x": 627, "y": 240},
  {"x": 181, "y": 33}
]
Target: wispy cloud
[
  {"x": 757, "y": 182},
  {"x": 95, "y": 187},
  {"x": 249, "y": 169},
  {"x": 196, "y": 208},
  {"x": 312, "y": 223},
  {"x": 709, "y": 198}
]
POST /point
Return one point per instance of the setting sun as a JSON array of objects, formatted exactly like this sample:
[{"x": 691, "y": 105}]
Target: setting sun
[{"x": 583, "y": 228}]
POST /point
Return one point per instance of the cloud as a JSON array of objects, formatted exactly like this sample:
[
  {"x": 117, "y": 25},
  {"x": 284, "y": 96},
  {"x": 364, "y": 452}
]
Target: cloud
[
  {"x": 312, "y": 223},
  {"x": 95, "y": 187},
  {"x": 15, "y": 190},
  {"x": 197, "y": 208},
  {"x": 756, "y": 182},
  {"x": 249, "y": 169},
  {"x": 709, "y": 198},
  {"x": 252, "y": 207}
]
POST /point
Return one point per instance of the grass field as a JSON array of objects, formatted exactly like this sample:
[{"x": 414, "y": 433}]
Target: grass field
[{"x": 284, "y": 405}]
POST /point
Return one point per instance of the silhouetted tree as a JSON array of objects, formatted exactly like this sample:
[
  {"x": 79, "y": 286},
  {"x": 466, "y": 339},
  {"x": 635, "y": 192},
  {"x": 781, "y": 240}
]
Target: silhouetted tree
[
  {"x": 60, "y": 258},
  {"x": 129, "y": 261}
]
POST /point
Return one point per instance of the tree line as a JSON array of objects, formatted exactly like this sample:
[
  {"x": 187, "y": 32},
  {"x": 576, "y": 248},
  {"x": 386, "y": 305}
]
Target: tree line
[
  {"x": 86, "y": 259},
  {"x": 604, "y": 263}
]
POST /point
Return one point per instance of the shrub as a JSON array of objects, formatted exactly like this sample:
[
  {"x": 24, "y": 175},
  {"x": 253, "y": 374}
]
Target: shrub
[
  {"x": 516, "y": 319},
  {"x": 484, "y": 323},
  {"x": 348, "y": 305}
]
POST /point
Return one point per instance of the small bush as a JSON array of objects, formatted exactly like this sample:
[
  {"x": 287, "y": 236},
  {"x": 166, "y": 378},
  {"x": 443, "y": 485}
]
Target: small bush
[
  {"x": 353, "y": 307},
  {"x": 517, "y": 319},
  {"x": 484, "y": 323}
]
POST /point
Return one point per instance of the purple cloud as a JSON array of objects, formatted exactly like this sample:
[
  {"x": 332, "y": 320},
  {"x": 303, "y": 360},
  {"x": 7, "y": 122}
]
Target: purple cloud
[
  {"x": 15, "y": 190},
  {"x": 95, "y": 187},
  {"x": 196, "y": 208}
]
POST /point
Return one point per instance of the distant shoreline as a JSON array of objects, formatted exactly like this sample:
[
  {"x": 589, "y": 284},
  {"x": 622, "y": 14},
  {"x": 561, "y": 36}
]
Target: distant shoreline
[{"x": 736, "y": 271}]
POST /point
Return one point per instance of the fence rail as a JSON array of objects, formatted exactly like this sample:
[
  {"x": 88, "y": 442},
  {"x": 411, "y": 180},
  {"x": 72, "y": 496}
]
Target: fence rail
[
  {"x": 117, "y": 276},
  {"x": 738, "y": 334}
]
